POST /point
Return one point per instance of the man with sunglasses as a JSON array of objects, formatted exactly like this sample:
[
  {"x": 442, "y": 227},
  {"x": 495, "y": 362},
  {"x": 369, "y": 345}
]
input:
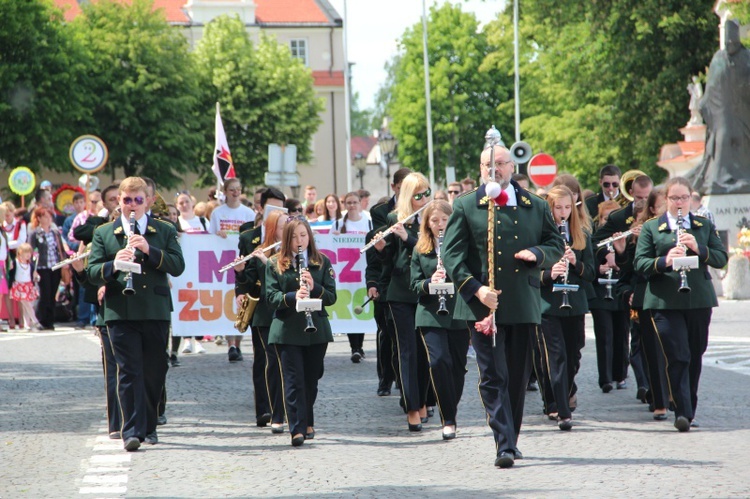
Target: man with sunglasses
[
  {"x": 138, "y": 323},
  {"x": 525, "y": 239},
  {"x": 609, "y": 183},
  {"x": 454, "y": 190}
]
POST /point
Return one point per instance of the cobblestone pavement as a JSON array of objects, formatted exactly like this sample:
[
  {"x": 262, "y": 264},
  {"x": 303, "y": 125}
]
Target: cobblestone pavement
[{"x": 53, "y": 438}]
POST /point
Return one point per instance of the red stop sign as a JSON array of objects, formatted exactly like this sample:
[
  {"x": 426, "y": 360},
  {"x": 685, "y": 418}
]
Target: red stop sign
[{"x": 542, "y": 169}]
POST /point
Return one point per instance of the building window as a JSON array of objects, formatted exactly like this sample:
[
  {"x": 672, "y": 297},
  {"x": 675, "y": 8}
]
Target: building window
[{"x": 299, "y": 50}]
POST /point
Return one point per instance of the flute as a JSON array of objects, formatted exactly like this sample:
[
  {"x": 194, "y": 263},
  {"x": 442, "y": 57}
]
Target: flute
[
  {"x": 247, "y": 258},
  {"x": 70, "y": 260},
  {"x": 612, "y": 239},
  {"x": 389, "y": 230}
]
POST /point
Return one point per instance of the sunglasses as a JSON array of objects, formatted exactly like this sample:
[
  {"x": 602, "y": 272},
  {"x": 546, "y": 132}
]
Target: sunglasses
[
  {"x": 138, "y": 200},
  {"x": 607, "y": 185},
  {"x": 455, "y": 193},
  {"x": 424, "y": 194},
  {"x": 298, "y": 217},
  {"x": 296, "y": 210}
]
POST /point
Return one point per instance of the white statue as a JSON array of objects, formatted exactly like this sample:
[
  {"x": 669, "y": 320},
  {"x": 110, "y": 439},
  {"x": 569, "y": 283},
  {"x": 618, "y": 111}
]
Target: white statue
[{"x": 696, "y": 92}]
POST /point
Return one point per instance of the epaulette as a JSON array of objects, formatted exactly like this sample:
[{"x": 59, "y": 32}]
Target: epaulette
[
  {"x": 467, "y": 192},
  {"x": 103, "y": 225}
]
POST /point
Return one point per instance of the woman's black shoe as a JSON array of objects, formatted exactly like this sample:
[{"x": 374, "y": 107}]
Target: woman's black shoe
[
  {"x": 415, "y": 427},
  {"x": 298, "y": 440},
  {"x": 310, "y": 435}
]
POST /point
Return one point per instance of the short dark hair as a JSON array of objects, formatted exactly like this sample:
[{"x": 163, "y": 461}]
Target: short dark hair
[
  {"x": 271, "y": 193},
  {"x": 520, "y": 176},
  {"x": 39, "y": 193},
  {"x": 400, "y": 175},
  {"x": 77, "y": 196},
  {"x": 363, "y": 193},
  {"x": 644, "y": 181},
  {"x": 609, "y": 170},
  {"x": 112, "y": 187},
  {"x": 469, "y": 181}
]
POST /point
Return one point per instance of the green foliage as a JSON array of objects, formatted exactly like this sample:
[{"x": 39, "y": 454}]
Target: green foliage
[
  {"x": 266, "y": 96},
  {"x": 465, "y": 99},
  {"x": 361, "y": 119},
  {"x": 140, "y": 88},
  {"x": 39, "y": 79}
]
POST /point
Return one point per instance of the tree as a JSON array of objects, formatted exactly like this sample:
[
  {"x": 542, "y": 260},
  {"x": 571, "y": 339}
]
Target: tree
[
  {"x": 465, "y": 98},
  {"x": 141, "y": 89},
  {"x": 266, "y": 96},
  {"x": 39, "y": 98},
  {"x": 361, "y": 119}
]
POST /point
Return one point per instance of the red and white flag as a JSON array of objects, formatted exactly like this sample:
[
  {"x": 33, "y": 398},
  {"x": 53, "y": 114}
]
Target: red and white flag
[{"x": 223, "y": 166}]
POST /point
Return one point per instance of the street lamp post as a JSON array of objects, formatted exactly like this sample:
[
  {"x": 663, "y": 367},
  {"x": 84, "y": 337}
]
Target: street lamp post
[
  {"x": 360, "y": 163},
  {"x": 387, "y": 144}
]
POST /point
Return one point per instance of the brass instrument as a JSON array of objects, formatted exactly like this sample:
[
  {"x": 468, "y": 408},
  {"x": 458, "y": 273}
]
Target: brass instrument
[
  {"x": 608, "y": 242},
  {"x": 247, "y": 258},
  {"x": 310, "y": 327},
  {"x": 684, "y": 287},
  {"x": 129, "y": 289},
  {"x": 442, "y": 289},
  {"x": 564, "y": 287},
  {"x": 375, "y": 240},
  {"x": 245, "y": 313},
  {"x": 626, "y": 183},
  {"x": 70, "y": 260}
]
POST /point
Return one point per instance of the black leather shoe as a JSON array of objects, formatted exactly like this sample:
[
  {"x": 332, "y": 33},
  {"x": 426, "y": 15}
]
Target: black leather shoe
[
  {"x": 310, "y": 435},
  {"x": 430, "y": 412},
  {"x": 132, "y": 444},
  {"x": 356, "y": 357},
  {"x": 174, "y": 361},
  {"x": 114, "y": 435},
  {"x": 660, "y": 417},
  {"x": 277, "y": 428},
  {"x": 415, "y": 427},
  {"x": 262, "y": 421},
  {"x": 532, "y": 387},
  {"x": 298, "y": 440},
  {"x": 161, "y": 420},
  {"x": 607, "y": 387},
  {"x": 518, "y": 454},
  {"x": 694, "y": 424},
  {"x": 152, "y": 438},
  {"x": 621, "y": 385},
  {"x": 505, "y": 459},
  {"x": 565, "y": 424},
  {"x": 682, "y": 424},
  {"x": 641, "y": 395},
  {"x": 449, "y": 433},
  {"x": 383, "y": 392}
]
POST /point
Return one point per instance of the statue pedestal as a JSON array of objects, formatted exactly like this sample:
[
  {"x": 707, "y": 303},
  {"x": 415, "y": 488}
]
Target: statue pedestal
[
  {"x": 731, "y": 213},
  {"x": 737, "y": 281}
]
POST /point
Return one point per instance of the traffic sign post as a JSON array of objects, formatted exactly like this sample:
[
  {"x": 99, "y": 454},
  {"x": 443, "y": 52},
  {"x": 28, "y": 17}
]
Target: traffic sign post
[
  {"x": 282, "y": 166},
  {"x": 542, "y": 169}
]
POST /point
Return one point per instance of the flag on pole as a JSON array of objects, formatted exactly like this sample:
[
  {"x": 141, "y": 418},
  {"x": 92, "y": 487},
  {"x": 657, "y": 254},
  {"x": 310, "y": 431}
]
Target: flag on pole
[{"x": 223, "y": 166}]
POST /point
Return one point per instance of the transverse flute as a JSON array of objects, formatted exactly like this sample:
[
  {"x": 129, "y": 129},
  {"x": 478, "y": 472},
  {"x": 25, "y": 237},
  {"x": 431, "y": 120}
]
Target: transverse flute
[
  {"x": 375, "y": 240},
  {"x": 247, "y": 258},
  {"x": 70, "y": 260},
  {"x": 612, "y": 239}
]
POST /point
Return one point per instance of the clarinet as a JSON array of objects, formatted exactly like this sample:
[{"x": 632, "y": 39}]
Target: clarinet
[
  {"x": 565, "y": 301},
  {"x": 129, "y": 289},
  {"x": 310, "y": 327},
  {"x": 684, "y": 288},
  {"x": 609, "y": 296},
  {"x": 442, "y": 309}
]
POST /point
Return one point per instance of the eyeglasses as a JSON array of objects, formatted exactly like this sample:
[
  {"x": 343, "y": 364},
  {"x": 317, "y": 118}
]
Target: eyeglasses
[
  {"x": 296, "y": 210},
  {"x": 138, "y": 200},
  {"x": 454, "y": 193},
  {"x": 421, "y": 195},
  {"x": 498, "y": 163},
  {"x": 675, "y": 199},
  {"x": 607, "y": 185},
  {"x": 298, "y": 218},
  {"x": 351, "y": 203}
]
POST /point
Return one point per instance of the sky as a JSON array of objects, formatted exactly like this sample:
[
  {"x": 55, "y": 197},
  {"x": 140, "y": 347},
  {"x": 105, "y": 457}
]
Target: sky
[{"x": 374, "y": 28}]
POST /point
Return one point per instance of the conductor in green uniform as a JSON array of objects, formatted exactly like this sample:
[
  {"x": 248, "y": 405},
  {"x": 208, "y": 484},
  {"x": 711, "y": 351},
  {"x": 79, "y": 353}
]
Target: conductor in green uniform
[
  {"x": 138, "y": 323},
  {"x": 525, "y": 240}
]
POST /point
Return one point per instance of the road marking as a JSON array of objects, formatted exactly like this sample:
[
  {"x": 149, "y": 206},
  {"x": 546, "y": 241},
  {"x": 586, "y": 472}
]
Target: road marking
[
  {"x": 108, "y": 467},
  {"x": 728, "y": 353}
]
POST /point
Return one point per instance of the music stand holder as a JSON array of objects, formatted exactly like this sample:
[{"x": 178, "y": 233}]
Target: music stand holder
[
  {"x": 443, "y": 288},
  {"x": 309, "y": 305},
  {"x": 125, "y": 266}
]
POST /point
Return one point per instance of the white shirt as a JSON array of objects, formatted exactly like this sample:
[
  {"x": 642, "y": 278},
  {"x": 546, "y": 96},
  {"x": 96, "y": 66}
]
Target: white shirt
[
  {"x": 230, "y": 219},
  {"x": 192, "y": 225},
  {"x": 304, "y": 259},
  {"x": 673, "y": 221},
  {"x": 511, "y": 192},
  {"x": 23, "y": 271},
  {"x": 142, "y": 224},
  {"x": 364, "y": 224}
]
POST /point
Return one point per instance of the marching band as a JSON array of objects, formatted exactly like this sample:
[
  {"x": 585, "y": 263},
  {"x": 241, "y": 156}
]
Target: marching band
[{"x": 499, "y": 268}]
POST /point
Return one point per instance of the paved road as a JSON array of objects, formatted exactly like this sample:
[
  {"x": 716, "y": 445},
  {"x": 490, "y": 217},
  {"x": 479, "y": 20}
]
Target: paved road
[{"x": 53, "y": 438}]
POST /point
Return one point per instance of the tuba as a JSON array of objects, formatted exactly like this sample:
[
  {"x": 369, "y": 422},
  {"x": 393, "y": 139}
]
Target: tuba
[{"x": 626, "y": 183}]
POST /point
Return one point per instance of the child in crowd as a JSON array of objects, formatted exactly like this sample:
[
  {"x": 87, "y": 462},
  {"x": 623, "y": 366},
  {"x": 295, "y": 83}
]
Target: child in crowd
[{"x": 24, "y": 290}]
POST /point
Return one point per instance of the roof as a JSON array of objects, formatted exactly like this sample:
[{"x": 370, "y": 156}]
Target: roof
[
  {"x": 328, "y": 78},
  {"x": 172, "y": 9},
  {"x": 362, "y": 145}
]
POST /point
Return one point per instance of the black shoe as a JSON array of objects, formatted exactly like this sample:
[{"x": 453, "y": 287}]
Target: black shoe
[
  {"x": 430, "y": 412},
  {"x": 448, "y": 433},
  {"x": 531, "y": 387},
  {"x": 607, "y": 387},
  {"x": 694, "y": 424},
  {"x": 132, "y": 444},
  {"x": 415, "y": 427},
  {"x": 362, "y": 353},
  {"x": 152, "y": 438},
  {"x": 356, "y": 357},
  {"x": 660, "y": 417},
  {"x": 263, "y": 420},
  {"x": 641, "y": 395},
  {"x": 161, "y": 420},
  {"x": 682, "y": 424},
  {"x": 174, "y": 361},
  {"x": 518, "y": 454},
  {"x": 565, "y": 424},
  {"x": 425, "y": 420},
  {"x": 298, "y": 440},
  {"x": 505, "y": 459},
  {"x": 621, "y": 385},
  {"x": 383, "y": 392},
  {"x": 278, "y": 429},
  {"x": 114, "y": 435},
  {"x": 233, "y": 354},
  {"x": 239, "y": 355},
  {"x": 310, "y": 435}
]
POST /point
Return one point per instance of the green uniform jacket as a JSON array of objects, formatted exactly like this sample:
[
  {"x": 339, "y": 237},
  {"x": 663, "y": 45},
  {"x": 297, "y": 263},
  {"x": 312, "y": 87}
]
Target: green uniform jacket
[
  {"x": 249, "y": 240},
  {"x": 255, "y": 272},
  {"x": 527, "y": 226},
  {"x": 580, "y": 273},
  {"x": 152, "y": 299},
  {"x": 374, "y": 270},
  {"x": 422, "y": 268},
  {"x": 379, "y": 214},
  {"x": 631, "y": 283},
  {"x": 397, "y": 261},
  {"x": 592, "y": 204},
  {"x": 662, "y": 293},
  {"x": 288, "y": 325}
]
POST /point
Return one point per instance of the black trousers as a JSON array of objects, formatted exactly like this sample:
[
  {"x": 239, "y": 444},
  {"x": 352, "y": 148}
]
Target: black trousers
[
  {"x": 273, "y": 388},
  {"x": 356, "y": 340},
  {"x": 412, "y": 357},
  {"x": 45, "y": 307},
  {"x": 114, "y": 422},
  {"x": 655, "y": 364},
  {"x": 560, "y": 345},
  {"x": 386, "y": 348},
  {"x": 140, "y": 349},
  {"x": 260, "y": 356},
  {"x": 611, "y": 329},
  {"x": 301, "y": 368},
  {"x": 446, "y": 355},
  {"x": 637, "y": 354},
  {"x": 683, "y": 336},
  {"x": 504, "y": 372}
]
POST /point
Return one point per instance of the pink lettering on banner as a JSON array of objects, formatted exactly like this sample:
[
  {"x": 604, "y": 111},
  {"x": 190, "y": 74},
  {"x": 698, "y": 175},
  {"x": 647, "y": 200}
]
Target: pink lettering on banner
[
  {"x": 349, "y": 257},
  {"x": 208, "y": 266}
]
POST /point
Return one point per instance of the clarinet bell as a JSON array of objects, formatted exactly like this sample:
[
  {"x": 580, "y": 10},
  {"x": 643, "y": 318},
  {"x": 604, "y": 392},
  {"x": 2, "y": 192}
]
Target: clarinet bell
[
  {"x": 442, "y": 309},
  {"x": 310, "y": 328},
  {"x": 565, "y": 302},
  {"x": 684, "y": 288}
]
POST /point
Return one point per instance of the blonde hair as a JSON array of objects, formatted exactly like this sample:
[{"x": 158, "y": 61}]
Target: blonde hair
[
  {"x": 284, "y": 256},
  {"x": 575, "y": 228},
  {"x": 272, "y": 223},
  {"x": 572, "y": 183},
  {"x": 133, "y": 184},
  {"x": 411, "y": 184},
  {"x": 426, "y": 241},
  {"x": 24, "y": 248}
]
